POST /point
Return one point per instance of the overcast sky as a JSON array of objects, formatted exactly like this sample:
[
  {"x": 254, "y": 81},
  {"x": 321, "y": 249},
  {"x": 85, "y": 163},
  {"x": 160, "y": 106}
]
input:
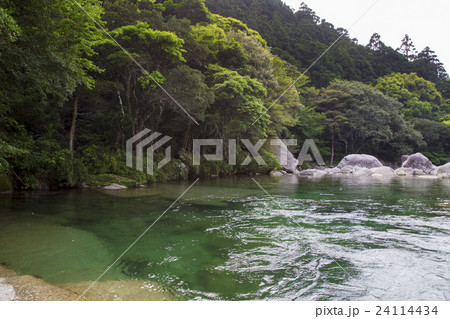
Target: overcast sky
[{"x": 426, "y": 21}]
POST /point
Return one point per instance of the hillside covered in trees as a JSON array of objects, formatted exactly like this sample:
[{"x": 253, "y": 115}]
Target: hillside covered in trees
[
  {"x": 71, "y": 96},
  {"x": 300, "y": 37}
]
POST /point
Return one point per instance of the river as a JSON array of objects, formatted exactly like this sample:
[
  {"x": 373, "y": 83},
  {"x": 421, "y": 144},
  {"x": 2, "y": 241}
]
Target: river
[{"x": 227, "y": 239}]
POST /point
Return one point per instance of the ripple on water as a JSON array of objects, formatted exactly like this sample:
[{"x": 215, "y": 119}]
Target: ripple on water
[{"x": 339, "y": 239}]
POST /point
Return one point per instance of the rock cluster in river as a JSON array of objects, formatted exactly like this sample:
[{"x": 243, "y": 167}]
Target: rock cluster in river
[{"x": 366, "y": 165}]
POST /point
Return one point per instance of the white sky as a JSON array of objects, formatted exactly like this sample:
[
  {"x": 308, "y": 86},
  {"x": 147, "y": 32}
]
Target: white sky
[{"x": 426, "y": 21}]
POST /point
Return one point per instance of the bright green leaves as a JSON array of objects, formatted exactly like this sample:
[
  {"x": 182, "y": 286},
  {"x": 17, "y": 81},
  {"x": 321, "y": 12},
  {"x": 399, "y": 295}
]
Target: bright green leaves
[
  {"x": 285, "y": 112},
  {"x": 50, "y": 49},
  {"x": 143, "y": 40},
  {"x": 406, "y": 86},
  {"x": 188, "y": 87},
  {"x": 311, "y": 124},
  {"x": 230, "y": 24},
  {"x": 436, "y": 135},
  {"x": 231, "y": 85},
  {"x": 240, "y": 60},
  {"x": 221, "y": 47},
  {"x": 276, "y": 77},
  {"x": 194, "y": 10},
  {"x": 209, "y": 35},
  {"x": 9, "y": 30},
  {"x": 238, "y": 103},
  {"x": 149, "y": 81},
  {"x": 420, "y": 97},
  {"x": 424, "y": 107}
]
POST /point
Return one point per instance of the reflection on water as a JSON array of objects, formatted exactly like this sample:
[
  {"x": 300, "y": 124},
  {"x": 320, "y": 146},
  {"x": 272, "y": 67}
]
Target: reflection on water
[{"x": 333, "y": 239}]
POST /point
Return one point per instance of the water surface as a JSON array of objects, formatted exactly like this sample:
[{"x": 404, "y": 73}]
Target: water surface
[{"x": 331, "y": 239}]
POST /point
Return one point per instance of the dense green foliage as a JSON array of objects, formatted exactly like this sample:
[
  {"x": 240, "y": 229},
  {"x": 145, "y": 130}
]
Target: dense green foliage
[
  {"x": 300, "y": 37},
  {"x": 419, "y": 97},
  {"x": 71, "y": 95},
  {"x": 366, "y": 121}
]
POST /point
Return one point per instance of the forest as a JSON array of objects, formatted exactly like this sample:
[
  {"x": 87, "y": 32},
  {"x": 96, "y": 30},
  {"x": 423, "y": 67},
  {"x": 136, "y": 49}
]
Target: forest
[{"x": 80, "y": 77}]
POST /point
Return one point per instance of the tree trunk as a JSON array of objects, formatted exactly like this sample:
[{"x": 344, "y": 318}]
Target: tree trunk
[
  {"x": 332, "y": 149},
  {"x": 122, "y": 119},
  {"x": 74, "y": 124}
]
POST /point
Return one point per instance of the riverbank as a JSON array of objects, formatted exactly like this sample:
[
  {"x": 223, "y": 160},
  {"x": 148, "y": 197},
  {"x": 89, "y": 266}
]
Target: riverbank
[{"x": 14, "y": 287}]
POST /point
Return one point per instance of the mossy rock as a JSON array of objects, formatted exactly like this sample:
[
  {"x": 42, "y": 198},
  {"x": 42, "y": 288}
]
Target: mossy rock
[{"x": 5, "y": 184}]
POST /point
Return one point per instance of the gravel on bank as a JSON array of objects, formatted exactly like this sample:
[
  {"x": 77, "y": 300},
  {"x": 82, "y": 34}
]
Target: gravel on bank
[{"x": 14, "y": 287}]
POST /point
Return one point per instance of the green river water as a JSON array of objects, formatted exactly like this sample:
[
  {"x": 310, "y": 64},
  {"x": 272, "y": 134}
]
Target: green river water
[{"x": 330, "y": 239}]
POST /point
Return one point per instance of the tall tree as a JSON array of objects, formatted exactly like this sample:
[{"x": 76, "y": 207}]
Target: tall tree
[
  {"x": 429, "y": 67},
  {"x": 407, "y": 48},
  {"x": 157, "y": 52}
]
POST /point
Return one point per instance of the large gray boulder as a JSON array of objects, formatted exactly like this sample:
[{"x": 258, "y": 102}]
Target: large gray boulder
[
  {"x": 419, "y": 162},
  {"x": 404, "y": 158},
  {"x": 444, "y": 169},
  {"x": 347, "y": 170},
  {"x": 360, "y": 160},
  {"x": 332, "y": 171}
]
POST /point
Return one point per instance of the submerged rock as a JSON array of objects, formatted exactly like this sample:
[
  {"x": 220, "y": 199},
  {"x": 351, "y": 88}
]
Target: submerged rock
[
  {"x": 363, "y": 161},
  {"x": 419, "y": 161}
]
